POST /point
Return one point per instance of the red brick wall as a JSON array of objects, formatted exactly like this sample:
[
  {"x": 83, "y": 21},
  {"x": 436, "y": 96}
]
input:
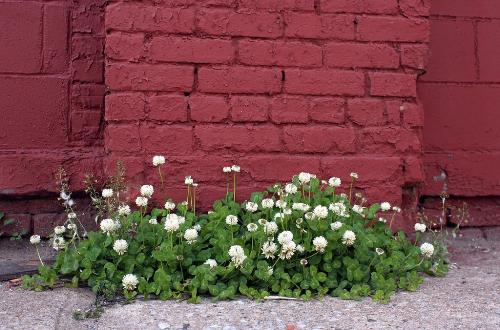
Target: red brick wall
[
  {"x": 275, "y": 86},
  {"x": 461, "y": 95},
  {"x": 52, "y": 99}
]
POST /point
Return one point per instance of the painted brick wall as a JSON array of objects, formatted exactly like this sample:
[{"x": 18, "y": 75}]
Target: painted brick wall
[
  {"x": 461, "y": 95},
  {"x": 52, "y": 100},
  {"x": 275, "y": 86}
]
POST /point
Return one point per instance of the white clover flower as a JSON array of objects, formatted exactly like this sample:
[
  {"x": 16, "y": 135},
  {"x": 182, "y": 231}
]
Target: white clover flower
[
  {"x": 58, "y": 243},
  {"x": 124, "y": 210},
  {"x": 212, "y": 263},
  {"x": 348, "y": 238},
  {"x": 237, "y": 255},
  {"x": 158, "y": 160},
  {"x": 301, "y": 207},
  {"x": 197, "y": 227},
  {"x": 320, "y": 243},
  {"x": 262, "y": 222},
  {"x": 281, "y": 204},
  {"x": 427, "y": 250},
  {"x": 169, "y": 206},
  {"x": 270, "y": 270},
  {"x": 64, "y": 196},
  {"x": 287, "y": 211},
  {"x": 35, "y": 239},
  {"x": 354, "y": 175},
  {"x": 379, "y": 251},
  {"x": 171, "y": 223},
  {"x": 334, "y": 182},
  {"x": 396, "y": 209},
  {"x": 320, "y": 212},
  {"x": 120, "y": 246},
  {"x": 290, "y": 188},
  {"x": 299, "y": 248},
  {"x": 383, "y": 220},
  {"x": 358, "y": 209},
  {"x": 232, "y": 220},
  {"x": 252, "y": 227},
  {"x": 153, "y": 221},
  {"x": 267, "y": 203},
  {"x": 299, "y": 221},
  {"x": 235, "y": 168},
  {"x": 420, "y": 227},
  {"x": 107, "y": 193},
  {"x": 70, "y": 203},
  {"x": 147, "y": 190},
  {"x": 324, "y": 182},
  {"x": 343, "y": 195},
  {"x": 338, "y": 209},
  {"x": 287, "y": 250},
  {"x": 279, "y": 215},
  {"x": 188, "y": 180},
  {"x": 251, "y": 207},
  {"x": 191, "y": 235},
  {"x": 308, "y": 215},
  {"x": 269, "y": 249},
  {"x": 141, "y": 201},
  {"x": 181, "y": 219},
  {"x": 385, "y": 206},
  {"x": 71, "y": 226},
  {"x": 303, "y": 262},
  {"x": 72, "y": 215},
  {"x": 59, "y": 230},
  {"x": 304, "y": 177},
  {"x": 130, "y": 282},
  {"x": 336, "y": 225},
  {"x": 285, "y": 237},
  {"x": 270, "y": 228},
  {"x": 108, "y": 226},
  {"x": 226, "y": 169}
]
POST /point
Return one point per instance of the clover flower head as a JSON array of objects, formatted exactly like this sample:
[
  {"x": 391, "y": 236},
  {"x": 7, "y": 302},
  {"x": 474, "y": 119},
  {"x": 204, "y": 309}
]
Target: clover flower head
[
  {"x": 354, "y": 175},
  {"x": 303, "y": 262},
  {"x": 358, "y": 209},
  {"x": 129, "y": 282},
  {"x": 270, "y": 228},
  {"x": 290, "y": 188},
  {"x": 124, "y": 210},
  {"x": 251, "y": 207},
  {"x": 169, "y": 206},
  {"x": 108, "y": 226},
  {"x": 285, "y": 237},
  {"x": 171, "y": 223},
  {"x": 147, "y": 190},
  {"x": 71, "y": 226},
  {"x": 320, "y": 212},
  {"x": 226, "y": 169},
  {"x": 420, "y": 227},
  {"x": 334, "y": 182},
  {"x": 232, "y": 220},
  {"x": 64, "y": 196},
  {"x": 120, "y": 246},
  {"x": 336, "y": 225},
  {"x": 141, "y": 201},
  {"x": 197, "y": 227},
  {"x": 304, "y": 177},
  {"x": 299, "y": 248},
  {"x": 269, "y": 249},
  {"x": 281, "y": 204},
  {"x": 320, "y": 243},
  {"x": 252, "y": 227},
  {"x": 267, "y": 203},
  {"x": 339, "y": 209},
  {"x": 58, "y": 243},
  {"x": 383, "y": 220},
  {"x": 188, "y": 180},
  {"x": 237, "y": 255},
  {"x": 71, "y": 215},
  {"x": 59, "y": 230},
  {"x": 287, "y": 250},
  {"x": 301, "y": 207},
  {"x": 379, "y": 251},
  {"x": 385, "y": 206},
  {"x": 35, "y": 239},
  {"x": 270, "y": 270},
  {"x": 348, "y": 238},
  {"x": 396, "y": 209},
  {"x": 190, "y": 235},
  {"x": 153, "y": 221},
  {"x": 427, "y": 250},
  {"x": 262, "y": 222},
  {"x": 212, "y": 263},
  {"x": 235, "y": 168},
  {"x": 107, "y": 193},
  {"x": 158, "y": 160}
]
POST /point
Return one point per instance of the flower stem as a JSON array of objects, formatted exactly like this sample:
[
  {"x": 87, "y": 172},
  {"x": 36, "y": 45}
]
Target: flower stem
[
  {"x": 39, "y": 257},
  {"x": 234, "y": 187}
]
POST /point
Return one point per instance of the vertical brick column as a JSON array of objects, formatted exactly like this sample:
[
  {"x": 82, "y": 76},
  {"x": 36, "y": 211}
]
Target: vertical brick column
[{"x": 275, "y": 86}]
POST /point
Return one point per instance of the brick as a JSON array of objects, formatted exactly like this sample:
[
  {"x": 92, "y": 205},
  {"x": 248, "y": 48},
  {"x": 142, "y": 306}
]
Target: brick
[
  {"x": 139, "y": 17},
  {"x": 239, "y": 138},
  {"x": 366, "y": 112},
  {"x": 289, "y": 110},
  {"x": 20, "y": 37},
  {"x": 222, "y": 22},
  {"x": 453, "y": 61},
  {"x": 272, "y": 168},
  {"x": 393, "y": 84},
  {"x": 123, "y": 46},
  {"x": 85, "y": 97},
  {"x": 360, "y": 6},
  {"x": 277, "y": 5},
  {"x": 88, "y": 69},
  {"x": 125, "y": 106},
  {"x": 369, "y": 168},
  {"x": 325, "y": 26},
  {"x": 249, "y": 108},
  {"x": 319, "y": 139},
  {"x": 413, "y": 115},
  {"x": 21, "y": 224},
  {"x": 169, "y": 108},
  {"x": 327, "y": 110},
  {"x": 388, "y": 140},
  {"x": 378, "y": 28},
  {"x": 414, "y": 56},
  {"x": 86, "y": 125},
  {"x": 43, "y": 224},
  {"x": 488, "y": 52},
  {"x": 55, "y": 39},
  {"x": 188, "y": 49},
  {"x": 88, "y": 17},
  {"x": 324, "y": 82},
  {"x": 208, "y": 108},
  {"x": 413, "y": 170},
  {"x": 235, "y": 79},
  {"x": 361, "y": 55},
  {"x": 465, "y": 8},
  {"x": 393, "y": 109},
  {"x": 416, "y": 7},
  {"x": 167, "y": 139},
  {"x": 28, "y": 102},
  {"x": 146, "y": 77},
  {"x": 257, "y": 52},
  {"x": 122, "y": 138}
]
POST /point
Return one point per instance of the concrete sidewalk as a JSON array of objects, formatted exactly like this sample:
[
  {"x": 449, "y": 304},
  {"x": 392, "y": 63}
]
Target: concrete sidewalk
[{"x": 468, "y": 298}]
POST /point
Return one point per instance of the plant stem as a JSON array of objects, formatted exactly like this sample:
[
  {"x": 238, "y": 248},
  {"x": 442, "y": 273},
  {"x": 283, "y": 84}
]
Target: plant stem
[
  {"x": 39, "y": 257},
  {"x": 234, "y": 187}
]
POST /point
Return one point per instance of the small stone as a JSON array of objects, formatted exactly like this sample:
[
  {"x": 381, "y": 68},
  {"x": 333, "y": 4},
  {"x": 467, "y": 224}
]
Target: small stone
[{"x": 163, "y": 325}]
